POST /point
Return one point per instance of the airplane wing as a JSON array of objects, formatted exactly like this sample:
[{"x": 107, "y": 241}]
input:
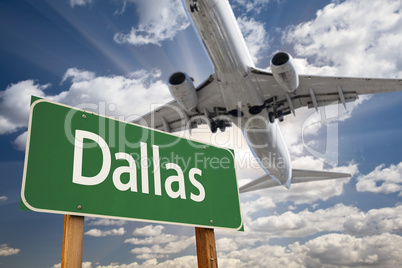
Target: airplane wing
[
  {"x": 316, "y": 91},
  {"x": 313, "y": 92},
  {"x": 171, "y": 117},
  {"x": 298, "y": 176}
]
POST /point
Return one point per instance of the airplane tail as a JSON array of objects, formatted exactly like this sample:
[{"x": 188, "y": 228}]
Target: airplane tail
[{"x": 298, "y": 176}]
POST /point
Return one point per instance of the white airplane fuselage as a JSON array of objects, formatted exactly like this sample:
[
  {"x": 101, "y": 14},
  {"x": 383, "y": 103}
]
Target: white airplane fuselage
[{"x": 224, "y": 42}]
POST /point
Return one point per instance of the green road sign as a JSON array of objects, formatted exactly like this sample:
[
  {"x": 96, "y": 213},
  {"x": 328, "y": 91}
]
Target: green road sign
[{"x": 81, "y": 163}]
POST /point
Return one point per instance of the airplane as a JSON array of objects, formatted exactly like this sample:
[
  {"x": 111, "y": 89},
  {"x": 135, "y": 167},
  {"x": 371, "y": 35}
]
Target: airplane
[{"x": 253, "y": 99}]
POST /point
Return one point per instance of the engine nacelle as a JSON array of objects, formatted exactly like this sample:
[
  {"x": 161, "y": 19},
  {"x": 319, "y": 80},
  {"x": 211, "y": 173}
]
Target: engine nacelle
[
  {"x": 284, "y": 71},
  {"x": 183, "y": 91}
]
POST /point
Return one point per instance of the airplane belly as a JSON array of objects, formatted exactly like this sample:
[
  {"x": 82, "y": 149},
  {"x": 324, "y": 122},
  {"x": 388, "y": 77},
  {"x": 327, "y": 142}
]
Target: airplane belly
[
  {"x": 239, "y": 93},
  {"x": 268, "y": 146}
]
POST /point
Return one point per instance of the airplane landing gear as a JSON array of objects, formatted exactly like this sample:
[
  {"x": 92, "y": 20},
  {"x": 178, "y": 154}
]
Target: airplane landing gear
[
  {"x": 280, "y": 116},
  {"x": 222, "y": 126},
  {"x": 272, "y": 116},
  {"x": 214, "y": 125},
  {"x": 194, "y": 6}
]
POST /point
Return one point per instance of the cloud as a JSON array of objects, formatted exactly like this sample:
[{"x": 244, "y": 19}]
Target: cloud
[
  {"x": 3, "y": 198},
  {"x": 105, "y": 222},
  {"x": 339, "y": 218},
  {"x": 253, "y": 5},
  {"x": 260, "y": 229},
  {"x": 86, "y": 264},
  {"x": 116, "y": 94},
  {"x": 74, "y": 3},
  {"x": 21, "y": 141},
  {"x": 77, "y": 75},
  {"x": 159, "y": 239},
  {"x": 375, "y": 221},
  {"x": 5, "y": 250},
  {"x": 170, "y": 248},
  {"x": 367, "y": 239},
  {"x": 304, "y": 223},
  {"x": 348, "y": 35},
  {"x": 107, "y": 95},
  {"x": 151, "y": 256},
  {"x": 255, "y": 36},
  {"x": 337, "y": 42},
  {"x": 382, "y": 180},
  {"x": 344, "y": 250},
  {"x": 162, "y": 244},
  {"x": 100, "y": 233},
  {"x": 331, "y": 250},
  {"x": 226, "y": 244},
  {"x": 158, "y": 21},
  {"x": 183, "y": 262},
  {"x": 149, "y": 230},
  {"x": 14, "y": 104}
]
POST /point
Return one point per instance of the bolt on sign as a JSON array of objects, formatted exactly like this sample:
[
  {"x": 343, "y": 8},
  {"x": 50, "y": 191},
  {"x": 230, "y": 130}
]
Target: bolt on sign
[{"x": 81, "y": 163}]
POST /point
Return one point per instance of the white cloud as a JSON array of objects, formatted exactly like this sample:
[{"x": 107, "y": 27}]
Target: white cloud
[
  {"x": 344, "y": 250},
  {"x": 100, "y": 233},
  {"x": 77, "y": 75},
  {"x": 151, "y": 256},
  {"x": 105, "y": 222},
  {"x": 339, "y": 41},
  {"x": 112, "y": 96},
  {"x": 340, "y": 218},
  {"x": 304, "y": 223},
  {"x": 149, "y": 230},
  {"x": 367, "y": 239},
  {"x": 14, "y": 104},
  {"x": 74, "y": 3},
  {"x": 158, "y": 21},
  {"x": 252, "y": 5},
  {"x": 3, "y": 198},
  {"x": 332, "y": 250},
  {"x": 116, "y": 95},
  {"x": 170, "y": 248},
  {"x": 351, "y": 38},
  {"x": 84, "y": 265},
  {"x": 152, "y": 240},
  {"x": 182, "y": 262},
  {"x": 381, "y": 180},
  {"x": 251, "y": 206},
  {"x": 375, "y": 221},
  {"x": 255, "y": 36},
  {"x": 226, "y": 244},
  {"x": 5, "y": 250},
  {"x": 160, "y": 244},
  {"x": 21, "y": 141}
]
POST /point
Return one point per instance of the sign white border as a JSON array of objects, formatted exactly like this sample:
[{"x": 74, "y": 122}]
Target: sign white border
[{"x": 105, "y": 216}]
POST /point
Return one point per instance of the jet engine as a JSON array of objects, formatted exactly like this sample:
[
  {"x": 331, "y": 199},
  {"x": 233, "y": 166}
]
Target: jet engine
[
  {"x": 284, "y": 71},
  {"x": 183, "y": 91}
]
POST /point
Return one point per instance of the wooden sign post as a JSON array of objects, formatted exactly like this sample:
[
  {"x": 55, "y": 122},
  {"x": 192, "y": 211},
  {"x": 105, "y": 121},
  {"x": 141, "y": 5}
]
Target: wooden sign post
[
  {"x": 73, "y": 236},
  {"x": 206, "y": 249}
]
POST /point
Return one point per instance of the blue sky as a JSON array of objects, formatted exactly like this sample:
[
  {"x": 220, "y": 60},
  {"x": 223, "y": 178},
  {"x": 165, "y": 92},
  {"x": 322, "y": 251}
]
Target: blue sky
[{"x": 120, "y": 53}]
